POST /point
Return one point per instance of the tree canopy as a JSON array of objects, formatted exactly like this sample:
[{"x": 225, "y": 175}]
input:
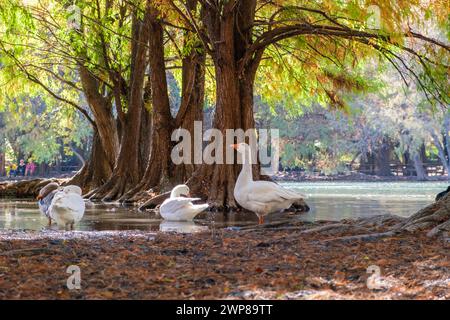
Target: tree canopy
[{"x": 112, "y": 61}]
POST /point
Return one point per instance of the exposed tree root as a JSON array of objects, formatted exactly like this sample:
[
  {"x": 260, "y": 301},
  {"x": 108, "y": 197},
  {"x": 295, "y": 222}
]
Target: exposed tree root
[
  {"x": 154, "y": 201},
  {"x": 334, "y": 228},
  {"x": 29, "y": 252},
  {"x": 116, "y": 187},
  {"x": 443, "y": 228},
  {"x": 26, "y": 188},
  {"x": 364, "y": 237},
  {"x": 433, "y": 218},
  {"x": 134, "y": 195}
]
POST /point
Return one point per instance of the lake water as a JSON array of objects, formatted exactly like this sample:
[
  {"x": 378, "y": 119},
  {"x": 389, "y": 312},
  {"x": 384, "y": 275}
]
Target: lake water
[{"x": 328, "y": 201}]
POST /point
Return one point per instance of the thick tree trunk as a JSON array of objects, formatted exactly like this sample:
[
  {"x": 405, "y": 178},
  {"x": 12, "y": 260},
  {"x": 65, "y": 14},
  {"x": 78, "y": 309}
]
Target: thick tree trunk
[
  {"x": 158, "y": 165},
  {"x": 418, "y": 166},
  {"x": 441, "y": 153},
  {"x": 230, "y": 32},
  {"x": 144, "y": 141},
  {"x": 157, "y": 171},
  {"x": 382, "y": 159},
  {"x": 102, "y": 110},
  {"x": 96, "y": 170},
  {"x": 161, "y": 173},
  {"x": 191, "y": 109},
  {"x": 126, "y": 171},
  {"x": 222, "y": 177}
]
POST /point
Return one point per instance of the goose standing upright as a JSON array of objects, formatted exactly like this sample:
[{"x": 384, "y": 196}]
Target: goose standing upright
[
  {"x": 178, "y": 208},
  {"x": 261, "y": 197},
  {"x": 67, "y": 206}
]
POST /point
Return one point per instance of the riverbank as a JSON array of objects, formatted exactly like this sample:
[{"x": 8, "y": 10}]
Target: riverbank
[
  {"x": 290, "y": 261},
  {"x": 29, "y": 187},
  {"x": 299, "y": 176}
]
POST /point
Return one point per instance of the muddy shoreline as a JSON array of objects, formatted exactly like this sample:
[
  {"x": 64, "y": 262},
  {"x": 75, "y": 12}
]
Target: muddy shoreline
[{"x": 269, "y": 262}]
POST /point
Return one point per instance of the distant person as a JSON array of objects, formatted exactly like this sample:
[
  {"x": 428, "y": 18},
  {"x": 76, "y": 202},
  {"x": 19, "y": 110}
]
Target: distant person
[
  {"x": 8, "y": 169},
  {"x": 21, "y": 168},
  {"x": 13, "y": 170},
  {"x": 30, "y": 168},
  {"x": 442, "y": 194}
]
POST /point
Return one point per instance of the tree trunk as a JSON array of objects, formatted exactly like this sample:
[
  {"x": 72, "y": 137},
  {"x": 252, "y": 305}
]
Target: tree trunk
[
  {"x": 158, "y": 165},
  {"x": 96, "y": 170},
  {"x": 126, "y": 171},
  {"x": 102, "y": 110},
  {"x": 383, "y": 158},
  {"x": 160, "y": 172},
  {"x": 2, "y": 164},
  {"x": 191, "y": 108},
  {"x": 418, "y": 166},
  {"x": 441, "y": 152},
  {"x": 144, "y": 141},
  {"x": 230, "y": 32}
]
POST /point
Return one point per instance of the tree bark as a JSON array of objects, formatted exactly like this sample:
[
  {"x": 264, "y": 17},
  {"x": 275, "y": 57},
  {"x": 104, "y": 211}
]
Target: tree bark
[
  {"x": 382, "y": 159},
  {"x": 157, "y": 167},
  {"x": 160, "y": 173},
  {"x": 126, "y": 170},
  {"x": 418, "y": 166},
  {"x": 96, "y": 170},
  {"x": 2, "y": 164},
  {"x": 102, "y": 110},
  {"x": 191, "y": 108},
  {"x": 441, "y": 152},
  {"x": 144, "y": 141},
  {"x": 230, "y": 33}
]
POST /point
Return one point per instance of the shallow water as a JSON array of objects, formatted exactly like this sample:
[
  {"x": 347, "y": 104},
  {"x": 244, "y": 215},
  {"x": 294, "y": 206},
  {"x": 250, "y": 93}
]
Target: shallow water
[{"x": 328, "y": 201}]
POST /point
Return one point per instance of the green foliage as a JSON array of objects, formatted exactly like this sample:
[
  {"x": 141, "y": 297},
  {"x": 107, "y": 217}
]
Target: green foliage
[
  {"x": 41, "y": 130},
  {"x": 299, "y": 77}
]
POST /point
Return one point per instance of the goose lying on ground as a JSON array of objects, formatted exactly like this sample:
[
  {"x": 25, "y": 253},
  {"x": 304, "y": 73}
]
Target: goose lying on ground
[
  {"x": 261, "y": 197},
  {"x": 65, "y": 206},
  {"x": 178, "y": 208}
]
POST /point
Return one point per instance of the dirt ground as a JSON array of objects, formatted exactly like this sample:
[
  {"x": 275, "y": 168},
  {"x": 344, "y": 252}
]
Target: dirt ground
[{"x": 259, "y": 263}]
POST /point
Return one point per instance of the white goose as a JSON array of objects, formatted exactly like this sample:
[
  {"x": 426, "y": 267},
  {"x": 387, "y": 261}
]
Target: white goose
[
  {"x": 261, "y": 197},
  {"x": 65, "y": 206},
  {"x": 177, "y": 208}
]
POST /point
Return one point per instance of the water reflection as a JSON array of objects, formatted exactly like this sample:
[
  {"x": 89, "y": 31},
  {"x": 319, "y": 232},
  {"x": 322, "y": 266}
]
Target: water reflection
[
  {"x": 181, "y": 227},
  {"x": 328, "y": 201}
]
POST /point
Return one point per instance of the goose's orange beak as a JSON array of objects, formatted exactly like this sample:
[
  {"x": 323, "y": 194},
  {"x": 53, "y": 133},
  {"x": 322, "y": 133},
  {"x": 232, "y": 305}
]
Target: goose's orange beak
[
  {"x": 39, "y": 197},
  {"x": 234, "y": 146}
]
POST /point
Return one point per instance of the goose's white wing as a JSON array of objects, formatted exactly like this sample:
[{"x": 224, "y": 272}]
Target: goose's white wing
[
  {"x": 172, "y": 205},
  {"x": 266, "y": 191},
  {"x": 180, "y": 208},
  {"x": 67, "y": 207}
]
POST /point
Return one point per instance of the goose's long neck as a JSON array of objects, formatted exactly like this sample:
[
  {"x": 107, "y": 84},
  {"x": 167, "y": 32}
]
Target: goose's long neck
[
  {"x": 246, "y": 171},
  {"x": 175, "y": 192}
]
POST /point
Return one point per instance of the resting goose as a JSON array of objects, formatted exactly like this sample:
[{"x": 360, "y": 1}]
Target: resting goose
[
  {"x": 261, "y": 197},
  {"x": 177, "y": 208}
]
